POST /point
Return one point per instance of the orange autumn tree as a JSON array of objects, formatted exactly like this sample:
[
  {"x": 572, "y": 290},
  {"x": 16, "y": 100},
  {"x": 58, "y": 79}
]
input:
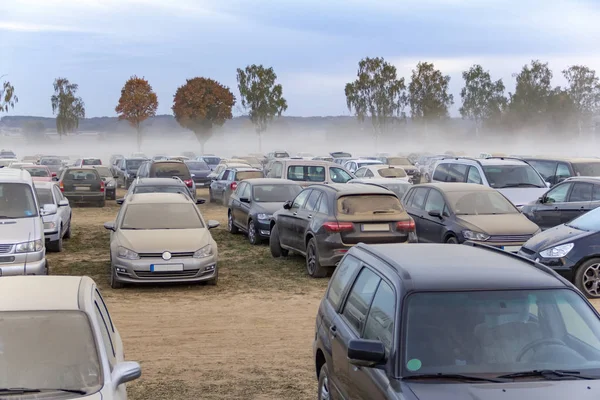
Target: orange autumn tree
[
  {"x": 201, "y": 104},
  {"x": 138, "y": 102}
]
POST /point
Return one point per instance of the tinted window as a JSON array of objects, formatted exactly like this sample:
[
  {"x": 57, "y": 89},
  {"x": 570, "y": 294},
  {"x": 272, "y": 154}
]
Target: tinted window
[
  {"x": 38, "y": 172},
  {"x": 341, "y": 278},
  {"x": 435, "y": 201},
  {"x": 418, "y": 200},
  {"x": 313, "y": 200},
  {"x": 547, "y": 169},
  {"x": 338, "y": 175},
  {"x": 474, "y": 176},
  {"x": 133, "y": 165},
  {"x": 89, "y": 175},
  {"x": 369, "y": 174},
  {"x": 241, "y": 175},
  {"x": 246, "y": 192},
  {"x": 197, "y": 165},
  {"x": 441, "y": 172},
  {"x": 506, "y": 176},
  {"x": 558, "y": 194},
  {"x": 275, "y": 193},
  {"x": 587, "y": 169},
  {"x": 212, "y": 160},
  {"x": 17, "y": 201},
  {"x": 370, "y": 204},
  {"x": 360, "y": 172},
  {"x": 91, "y": 161},
  {"x": 50, "y": 161},
  {"x": 301, "y": 198},
  {"x": 161, "y": 216},
  {"x": 581, "y": 192},
  {"x": 562, "y": 172},
  {"x": 323, "y": 205},
  {"x": 359, "y": 299},
  {"x": 44, "y": 196},
  {"x": 306, "y": 173},
  {"x": 168, "y": 170},
  {"x": 380, "y": 322}
]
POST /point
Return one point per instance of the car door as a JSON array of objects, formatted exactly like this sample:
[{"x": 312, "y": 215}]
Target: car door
[
  {"x": 580, "y": 202},
  {"x": 349, "y": 325},
  {"x": 307, "y": 214},
  {"x": 416, "y": 209},
  {"x": 64, "y": 212},
  {"x": 287, "y": 218},
  {"x": 549, "y": 213},
  {"x": 433, "y": 228},
  {"x": 236, "y": 203},
  {"x": 244, "y": 208}
]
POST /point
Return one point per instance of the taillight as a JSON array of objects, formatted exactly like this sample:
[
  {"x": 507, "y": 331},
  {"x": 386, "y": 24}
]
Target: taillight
[
  {"x": 189, "y": 183},
  {"x": 61, "y": 186},
  {"x": 338, "y": 226},
  {"x": 102, "y": 186},
  {"x": 407, "y": 226},
  {"x": 233, "y": 185}
]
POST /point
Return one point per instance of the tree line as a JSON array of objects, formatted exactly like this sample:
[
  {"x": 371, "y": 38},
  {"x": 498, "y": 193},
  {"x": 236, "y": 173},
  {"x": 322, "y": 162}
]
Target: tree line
[{"x": 377, "y": 94}]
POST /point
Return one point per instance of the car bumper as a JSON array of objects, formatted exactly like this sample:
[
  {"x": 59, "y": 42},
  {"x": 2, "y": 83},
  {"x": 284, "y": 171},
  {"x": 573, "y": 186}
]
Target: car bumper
[
  {"x": 111, "y": 192},
  {"x": 51, "y": 236},
  {"x": 263, "y": 228},
  {"x": 21, "y": 268},
  {"x": 84, "y": 198},
  {"x": 139, "y": 271}
]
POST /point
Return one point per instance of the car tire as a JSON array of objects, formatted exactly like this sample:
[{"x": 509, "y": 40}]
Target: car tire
[
  {"x": 68, "y": 231},
  {"x": 102, "y": 203},
  {"x": 590, "y": 265},
  {"x": 253, "y": 237},
  {"x": 313, "y": 266},
  {"x": 114, "y": 283},
  {"x": 56, "y": 246},
  {"x": 213, "y": 281},
  {"x": 323, "y": 386},
  {"x": 275, "y": 245},
  {"x": 451, "y": 240},
  {"x": 230, "y": 225}
]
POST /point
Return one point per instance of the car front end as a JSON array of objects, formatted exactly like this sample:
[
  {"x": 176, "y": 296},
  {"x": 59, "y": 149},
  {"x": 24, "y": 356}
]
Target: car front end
[{"x": 22, "y": 247}]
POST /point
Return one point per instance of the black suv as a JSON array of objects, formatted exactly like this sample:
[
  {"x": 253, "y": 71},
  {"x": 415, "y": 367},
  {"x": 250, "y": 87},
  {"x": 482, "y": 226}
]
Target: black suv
[{"x": 433, "y": 321}]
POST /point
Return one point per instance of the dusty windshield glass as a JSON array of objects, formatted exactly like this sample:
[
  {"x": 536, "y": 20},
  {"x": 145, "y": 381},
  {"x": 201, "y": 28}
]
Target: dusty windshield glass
[
  {"x": 91, "y": 161},
  {"x": 589, "y": 221},
  {"x": 104, "y": 172},
  {"x": 38, "y": 172},
  {"x": 511, "y": 176},
  {"x": 44, "y": 196},
  {"x": 241, "y": 175},
  {"x": 398, "y": 188},
  {"x": 48, "y": 350},
  {"x": 587, "y": 169},
  {"x": 50, "y": 161},
  {"x": 391, "y": 173},
  {"x": 372, "y": 204},
  {"x": 16, "y": 201},
  {"x": 398, "y": 161},
  {"x": 198, "y": 165},
  {"x": 161, "y": 216},
  {"x": 499, "y": 332},
  {"x": 275, "y": 193},
  {"x": 133, "y": 165},
  {"x": 479, "y": 203}
]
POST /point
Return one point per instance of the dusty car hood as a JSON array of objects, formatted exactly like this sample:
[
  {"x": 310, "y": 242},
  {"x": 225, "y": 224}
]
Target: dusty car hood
[
  {"x": 522, "y": 196},
  {"x": 547, "y": 390},
  {"x": 505, "y": 224},
  {"x": 555, "y": 236},
  {"x": 18, "y": 230},
  {"x": 159, "y": 240},
  {"x": 267, "y": 208}
]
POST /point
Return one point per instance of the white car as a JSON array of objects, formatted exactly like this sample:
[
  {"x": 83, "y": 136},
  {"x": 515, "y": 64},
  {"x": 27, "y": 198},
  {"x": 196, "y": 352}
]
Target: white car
[
  {"x": 382, "y": 171},
  {"x": 354, "y": 165},
  {"x": 58, "y": 341},
  {"x": 56, "y": 214}
]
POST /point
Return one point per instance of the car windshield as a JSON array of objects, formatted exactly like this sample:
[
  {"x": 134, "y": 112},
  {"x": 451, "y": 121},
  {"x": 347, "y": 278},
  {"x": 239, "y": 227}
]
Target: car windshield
[
  {"x": 398, "y": 161},
  {"x": 133, "y": 165},
  {"x": 499, "y": 332},
  {"x": 161, "y": 216},
  {"x": 274, "y": 193},
  {"x": 104, "y": 172},
  {"x": 590, "y": 221},
  {"x": 81, "y": 175},
  {"x": 306, "y": 173},
  {"x": 211, "y": 160},
  {"x": 198, "y": 166},
  {"x": 169, "y": 170},
  {"x": 48, "y": 350},
  {"x": 37, "y": 172},
  {"x": 161, "y": 189},
  {"x": 479, "y": 203},
  {"x": 50, "y": 161},
  {"x": 16, "y": 201},
  {"x": 511, "y": 176},
  {"x": 391, "y": 172},
  {"x": 398, "y": 188},
  {"x": 44, "y": 196},
  {"x": 91, "y": 161},
  {"x": 371, "y": 204},
  {"x": 241, "y": 175},
  {"x": 587, "y": 169}
]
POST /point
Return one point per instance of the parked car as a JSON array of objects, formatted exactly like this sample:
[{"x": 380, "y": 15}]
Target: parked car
[
  {"x": 452, "y": 322},
  {"x": 226, "y": 183},
  {"x": 308, "y": 172},
  {"x": 5, "y": 162},
  {"x": 324, "y": 221},
  {"x": 278, "y": 154},
  {"x": 223, "y": 165},
  {"x": 110, "y": 182},
  {"x": 82, "y": 162},
  {"x": 397, "y": 185},
  {"x": 555, "y": 170},
  {"x": 54, "y": 164},
  {"x": 190, "y": 155},
  {"x": 22, "y": 247},
  {"x": 159, "y": 185},
  {"x": 456, "y": 212},
  {"x": 383, "y": 171},
  {"x": 161, "y": 237},
  {"x": 354, "y": 165},
  {"x": 39, "y": 173},
  {"x": 252, "y": 204},
  {"x": 168, "y": 169},
  {"x": 82, "y": 185},
  {"x": 254, "y": 162},
  {"x": 9, "y": 154},
  {"x": 59, "y": 341},
  {"x": 212, "y": 161},
  {"x": 404, "y": 163},
  {"x": 20, "y": 164},
  {"x": 199, "y": 171},
  {"x": 127, "y": 171},
  {"x": 56, "y": 214}
]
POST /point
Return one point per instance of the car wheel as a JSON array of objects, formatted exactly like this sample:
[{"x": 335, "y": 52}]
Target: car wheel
[
  {"x": 323, "y": 387},
  {"x": 68, "y": 231},
  {"x": 211, "y": 199},
  {"x": 57, "y": 245},
  {"x": 451, "y": 240},
  {"x": 274, "y": 244},
  {"x": 313, "y": 266},
  {"x": 252, "y": 233},
  {"x": 102, "y": 203},
  {"x": 587, "y": 278},
  {"x": 230, "y": 225},
  {"x": 114, "y": 283}
]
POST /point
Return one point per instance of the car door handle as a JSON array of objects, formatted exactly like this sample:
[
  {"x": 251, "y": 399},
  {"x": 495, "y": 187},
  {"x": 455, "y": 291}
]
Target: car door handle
[
  {"x": 309, "y": 217},
  {"x": 333, "y": 330},
  {"x": 294, "y": 213}
]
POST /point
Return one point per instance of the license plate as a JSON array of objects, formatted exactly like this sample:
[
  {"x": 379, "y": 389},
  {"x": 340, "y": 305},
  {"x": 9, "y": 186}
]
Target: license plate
[
  {"x": 511, "y": 249},
  {"x": 82, "y": 189},
  {"x": 165, "y": 267},
  {"x": 375, "y": 227}
]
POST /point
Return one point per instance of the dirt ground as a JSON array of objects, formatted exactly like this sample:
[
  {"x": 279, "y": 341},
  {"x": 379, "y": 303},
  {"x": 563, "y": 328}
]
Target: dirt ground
[{"x": 249, "y": 337}]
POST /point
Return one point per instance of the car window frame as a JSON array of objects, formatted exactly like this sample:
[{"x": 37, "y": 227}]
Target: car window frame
[
  {"x": 426, "y": 190},
  {"x": 580, "y": 184},
  {"x": 555, "y": 188},
  {"x": 318, "y": 193},
  {"x": 433, "y": 190},
  {"x": 346, "y": 289},
  {"x": 363, "y": 267},
  {"x": 309, "y": 191},
  {"x": 395, "y": 319}
]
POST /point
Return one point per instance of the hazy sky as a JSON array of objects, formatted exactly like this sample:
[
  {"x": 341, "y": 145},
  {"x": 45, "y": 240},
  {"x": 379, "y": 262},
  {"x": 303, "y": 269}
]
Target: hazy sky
[{"x": 314, "y": 46}]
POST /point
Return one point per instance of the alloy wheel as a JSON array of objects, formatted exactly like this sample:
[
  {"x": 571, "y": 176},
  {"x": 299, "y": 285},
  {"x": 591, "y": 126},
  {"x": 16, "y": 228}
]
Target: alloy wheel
[
  {"x": 324, "y": 392},
  {"x": 591, "y": 280}
]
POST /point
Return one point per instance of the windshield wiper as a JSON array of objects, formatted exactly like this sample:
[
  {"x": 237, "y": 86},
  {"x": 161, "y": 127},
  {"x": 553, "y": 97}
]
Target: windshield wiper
[
  {"x": 28, "y": 390},
  {"x": 6, "y": 217},
  {"x": 549, "y": 374},
  {"x": 457, "y": 377},
  {"x": 511, "y": 185}
]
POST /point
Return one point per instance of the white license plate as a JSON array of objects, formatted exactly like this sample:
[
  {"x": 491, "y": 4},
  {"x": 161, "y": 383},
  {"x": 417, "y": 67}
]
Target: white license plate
[
  {"x": 512, "y": 249},
  {"x": 82, "y": 189},
  {"x": 165, "y": 267},
  {"x": 375, "y": 227}
]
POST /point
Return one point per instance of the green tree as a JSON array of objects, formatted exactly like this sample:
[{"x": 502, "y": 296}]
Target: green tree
[
  {"x": 377, "y": 93},
  {"x": 428, "y": 94},
  {"x": 584, "y": 90},
  {"x": 8, "y": 99},
  {"x": 137, "y": 103},
  {"x": 260, "y": 96},
  {"x": 200, "y": 104},
  {"x": 33, "y": 130},
  {"x": 482, "y": 98},
  {"x": 528, "y": 106},
  {"x": 67, "y": 106}
]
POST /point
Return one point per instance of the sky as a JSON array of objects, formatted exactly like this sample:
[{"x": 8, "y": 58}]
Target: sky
[{"x": 314, "y": 46}]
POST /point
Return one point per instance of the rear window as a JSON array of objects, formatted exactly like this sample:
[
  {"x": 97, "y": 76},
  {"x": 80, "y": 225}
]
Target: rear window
[
  {"x": 91, "y": 161},
  {"x": 587, "y": 169},
  {"x": 38, "y": 172},
  {"x": 161, "y": 216},
  {"x": 50, "y": 161},
  {"x": 399, "y": 189},
  {"x": 161, "y": 189},
  {"x": 391, "y": 172},
  {"x": 104, "y": 172},
  {"x": 211, "y": 160},
  {"x": 275, "y": 193},
  {"x": 372, "y": 204},
  {"x": 281, "y": 154},
  {"x": 398, "y": 161},
  {"x": 81, "y": 175},
  {"x": 241, "y": 175},
  {"x": 169, "y": 170},
  {"x": 197, "y": 165},
  {"x": 306, "y": 173}
]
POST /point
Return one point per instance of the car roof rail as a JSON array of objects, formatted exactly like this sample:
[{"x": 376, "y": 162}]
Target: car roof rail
[
  {"x": 505, "y": 158},
  {"x": 460, "y": 158},
  {"x": 404, "y": 274}
]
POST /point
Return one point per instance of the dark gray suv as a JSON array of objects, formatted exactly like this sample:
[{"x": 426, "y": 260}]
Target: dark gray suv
[{"x": 435, "y": 321}]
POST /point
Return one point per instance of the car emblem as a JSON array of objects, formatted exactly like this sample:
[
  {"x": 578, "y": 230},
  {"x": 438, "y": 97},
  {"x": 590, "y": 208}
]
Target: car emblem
[{"x": 166, "y": 256}]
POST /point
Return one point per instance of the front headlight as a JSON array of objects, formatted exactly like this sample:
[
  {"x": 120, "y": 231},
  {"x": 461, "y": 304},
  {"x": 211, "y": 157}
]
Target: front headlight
[
  {"x": 206, "y": 251},
  {"x": 29, "y": 247},
  {"x": 264, "y": 217},
  {"x": 479, "y": 236},
  {"x": 49, "y": 225},
  {"x": 557, "y": 251},
  {"x": 127, "y": 254}
]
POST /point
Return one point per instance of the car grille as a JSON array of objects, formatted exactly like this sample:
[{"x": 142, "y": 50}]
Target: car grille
[
  {"x": 5, "y": 248},
  {"x": 509, "y": 238},
  {"x": 159, "y": 255},
  {"x": 188, "y": 273}
]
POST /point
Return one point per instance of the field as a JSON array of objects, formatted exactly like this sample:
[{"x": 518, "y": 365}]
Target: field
[{"x": 249, "y": 337}]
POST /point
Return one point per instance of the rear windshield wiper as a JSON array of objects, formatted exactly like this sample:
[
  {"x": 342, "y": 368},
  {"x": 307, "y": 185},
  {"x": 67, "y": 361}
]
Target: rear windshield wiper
[
  {"x": 27, "y": 390},
  {"x": 383, "y": 212},
  {"x": 457, "y": 377},
  {"x": 549, "y": 374}
]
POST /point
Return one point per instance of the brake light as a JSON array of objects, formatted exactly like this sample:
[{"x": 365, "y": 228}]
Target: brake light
[
  {"x": 407, "y": 226},
  {"x": 102, "y": 186},
  {"x": 338, "y": 226},
  {"x": 233, "y": 185},
  {"x": 188, "y": 182},
  {"x": 61, "y": 186}
]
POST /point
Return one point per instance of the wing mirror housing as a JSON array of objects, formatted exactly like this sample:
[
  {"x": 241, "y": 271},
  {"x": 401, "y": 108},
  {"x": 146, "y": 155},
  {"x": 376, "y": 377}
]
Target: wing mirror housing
[
  {"x": 366, "y": 353},
  {"x": 287, "y": 205},
  {"x": 63, "y": 203},
  {"x": 244, "y": 199},
  {"x": 548, "y": 184},
  {"x": 213, "y": 224},
  {"x": 110, "y": 226},
  {"x": 542, "y": 199},
  {"x": 125, "y": 372},
  {"x": 435, "y": 213},
  {"x": 48, "y": 209}
]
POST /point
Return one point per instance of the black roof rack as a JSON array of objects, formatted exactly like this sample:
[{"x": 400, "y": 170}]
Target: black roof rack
[{"x": 391, "y": 262}]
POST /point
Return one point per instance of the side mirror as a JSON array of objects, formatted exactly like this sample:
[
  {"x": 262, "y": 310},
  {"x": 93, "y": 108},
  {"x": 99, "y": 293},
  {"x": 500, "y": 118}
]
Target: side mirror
[
  {"x": 542, "y": 200},
  {"x": 213, "y": 224},
  {"x": 548, "y": 184},
  {"x": 287, "y": 205},
  {"x": 63, "y": 203},
  {"x": 366, "y": 353},
  {"x": 48, "y": 209},
  {"x": 110, "y": 226},
  {"x": 244, "y": 200},
  {"x": 192, "y": 175},
  {"x": 435, "y": 213},
  {"x": 120, "y": 201},
  {"x": 200, "y": 201},
  {"x": 125, "y": 372}
]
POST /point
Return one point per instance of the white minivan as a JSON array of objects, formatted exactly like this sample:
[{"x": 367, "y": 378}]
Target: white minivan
[{"x": 22, "y": 247}]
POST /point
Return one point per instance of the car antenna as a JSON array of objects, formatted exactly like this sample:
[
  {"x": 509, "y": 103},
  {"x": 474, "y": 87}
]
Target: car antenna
[{"x": 25, "y": 262}]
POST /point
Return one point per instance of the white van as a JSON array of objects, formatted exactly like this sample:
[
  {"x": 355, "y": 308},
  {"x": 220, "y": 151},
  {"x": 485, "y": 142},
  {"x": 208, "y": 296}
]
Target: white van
[{"x": 22, "y": 244}]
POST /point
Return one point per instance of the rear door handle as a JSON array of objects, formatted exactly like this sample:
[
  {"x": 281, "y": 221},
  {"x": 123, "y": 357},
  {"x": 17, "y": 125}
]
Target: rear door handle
[
  {"x": 333, "y": 330},
  {"x": 309, "y": 217}
]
